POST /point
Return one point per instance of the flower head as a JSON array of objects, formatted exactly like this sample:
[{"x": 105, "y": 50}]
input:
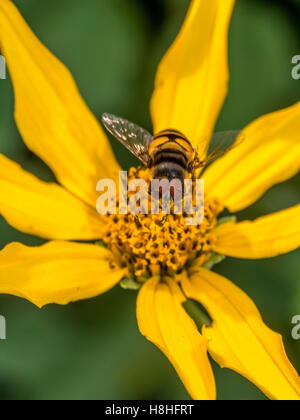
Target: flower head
[
  {"x": 148, "y": 244},
  {"x": 168, "y": 260}
]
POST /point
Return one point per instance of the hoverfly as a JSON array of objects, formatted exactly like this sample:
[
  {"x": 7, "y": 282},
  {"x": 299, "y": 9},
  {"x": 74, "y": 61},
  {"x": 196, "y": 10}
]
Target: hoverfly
[{"x": 168, "y": 154}]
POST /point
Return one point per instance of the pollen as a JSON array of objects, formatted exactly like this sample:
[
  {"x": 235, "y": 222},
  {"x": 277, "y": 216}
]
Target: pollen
[{"x": 150, "y": 244}]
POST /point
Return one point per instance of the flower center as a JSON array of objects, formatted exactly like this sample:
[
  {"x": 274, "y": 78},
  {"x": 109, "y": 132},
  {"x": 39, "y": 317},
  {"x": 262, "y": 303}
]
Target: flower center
[{"x": 160, "y": 244}]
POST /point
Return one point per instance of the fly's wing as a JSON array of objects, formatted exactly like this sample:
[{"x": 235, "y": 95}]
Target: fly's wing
[
  {"x": 133, "y": 137},
  {"x": 221, "y": 143}
]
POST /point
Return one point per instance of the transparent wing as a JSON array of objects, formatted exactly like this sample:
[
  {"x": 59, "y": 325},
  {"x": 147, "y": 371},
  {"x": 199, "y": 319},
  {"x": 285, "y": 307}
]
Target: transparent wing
[
  {"x": 221, "y": 143},
  {"x": 133, "y": 137}
]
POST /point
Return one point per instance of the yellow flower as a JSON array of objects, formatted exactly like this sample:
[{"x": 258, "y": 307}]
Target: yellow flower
[{"x": 57, "y": 126}]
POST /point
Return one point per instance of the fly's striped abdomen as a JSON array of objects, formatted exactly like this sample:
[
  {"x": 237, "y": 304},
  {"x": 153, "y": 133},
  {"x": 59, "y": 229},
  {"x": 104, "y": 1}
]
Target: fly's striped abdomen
[
  {"x": 171, "y": 154},
  {"x": 170, "y": 164}
]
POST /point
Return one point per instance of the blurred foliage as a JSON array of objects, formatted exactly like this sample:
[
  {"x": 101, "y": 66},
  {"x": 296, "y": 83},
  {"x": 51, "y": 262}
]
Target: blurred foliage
[{"x": 92, "y": 349}]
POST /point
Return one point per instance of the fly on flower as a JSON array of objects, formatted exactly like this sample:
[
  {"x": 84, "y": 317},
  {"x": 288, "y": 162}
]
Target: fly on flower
[
  {"x": 167, "y": 260},
  {"x": 169, "y": 154}
]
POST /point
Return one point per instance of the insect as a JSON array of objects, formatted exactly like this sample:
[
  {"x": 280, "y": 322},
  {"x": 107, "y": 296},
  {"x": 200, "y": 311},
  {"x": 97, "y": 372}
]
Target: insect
[{"x": 168, "y": 154}]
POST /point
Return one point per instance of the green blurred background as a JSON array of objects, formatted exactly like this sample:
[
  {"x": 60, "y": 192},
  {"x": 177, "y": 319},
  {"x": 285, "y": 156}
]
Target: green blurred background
[{"x": 92, "y": 349}]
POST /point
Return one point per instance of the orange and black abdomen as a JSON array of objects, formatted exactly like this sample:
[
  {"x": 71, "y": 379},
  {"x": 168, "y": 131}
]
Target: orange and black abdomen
[{"x": 171, "y": 154}]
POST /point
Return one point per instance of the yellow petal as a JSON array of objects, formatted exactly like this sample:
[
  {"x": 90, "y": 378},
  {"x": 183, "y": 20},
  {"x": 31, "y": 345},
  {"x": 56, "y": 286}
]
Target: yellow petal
[
  {"x": 164, "y": 322},
  {"x": 192, "y": 79},
  {"x": 270, "y": 154},
  {"x": 52, "y": 118},
  {"x": 58, "y": 272},
  {"x": 239, "y": 339},
  {"x": 266, "y": 237},
  {"x": 44, "y": 209}
]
